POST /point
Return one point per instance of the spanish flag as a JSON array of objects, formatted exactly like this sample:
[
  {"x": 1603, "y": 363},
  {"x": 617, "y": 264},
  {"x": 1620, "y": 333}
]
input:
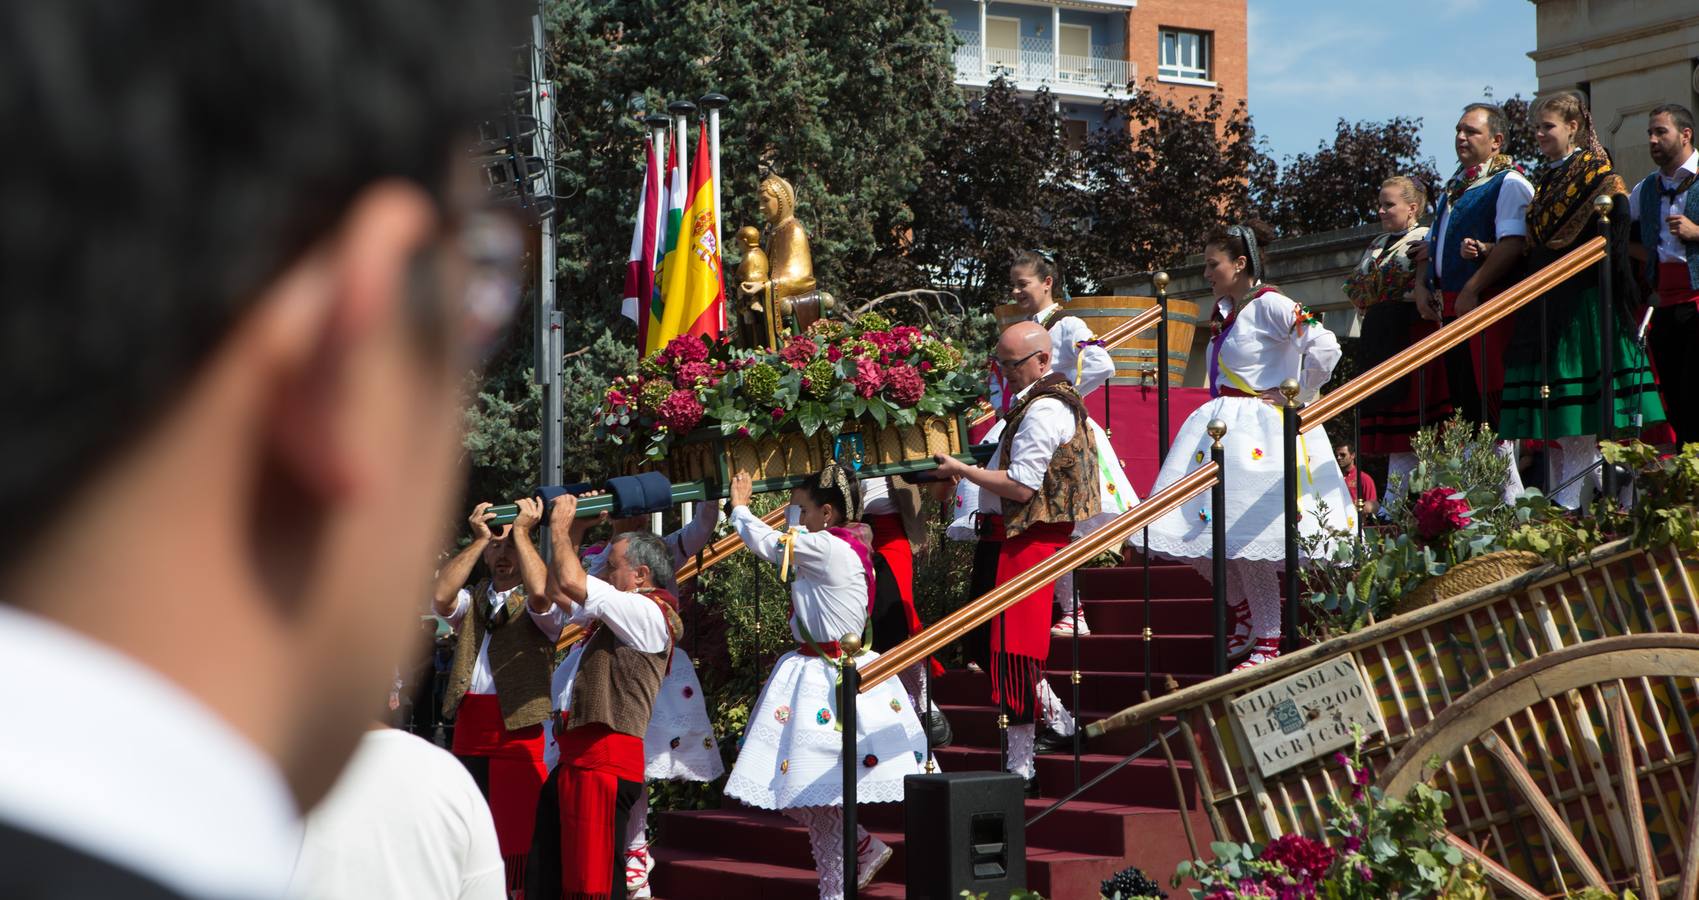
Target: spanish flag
[{"x": 693, "y": 291}]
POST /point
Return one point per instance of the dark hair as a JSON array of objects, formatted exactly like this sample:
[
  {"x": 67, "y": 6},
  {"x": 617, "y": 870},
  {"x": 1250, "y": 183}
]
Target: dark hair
[
  {"x": 1680, "y": 116},
  {"x": 1235, "y": 245},
  {"x": 1497, "y": 123},
  {"x": 1043, "y": 263},
  {"x": 837, "y": 486},
  {"x": 169, "y": 161}
]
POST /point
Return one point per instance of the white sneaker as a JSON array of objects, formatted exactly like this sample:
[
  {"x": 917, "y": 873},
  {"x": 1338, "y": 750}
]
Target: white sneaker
[
  {"x": 1265, "y": 650},
  {"x": 1064, "y": 626},
  {"x": 638, "y": 865},
  {"x": 870, "y": 860}
]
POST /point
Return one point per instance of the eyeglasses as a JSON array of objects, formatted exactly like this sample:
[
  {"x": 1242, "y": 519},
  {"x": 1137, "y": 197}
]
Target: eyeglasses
[{"x": 1007, "y": 366}]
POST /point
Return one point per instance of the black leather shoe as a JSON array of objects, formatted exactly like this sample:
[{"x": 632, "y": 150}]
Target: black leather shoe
[
  {"x": 1050, "y": 740},
  {"x": 1032, "y": 787},
  {"x": 938, "y": 732}
]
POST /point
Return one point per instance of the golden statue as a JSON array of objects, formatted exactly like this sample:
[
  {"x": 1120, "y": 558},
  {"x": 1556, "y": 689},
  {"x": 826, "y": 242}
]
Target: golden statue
[
  {"x": 752, "y": 287},
  {"x": 788, "y": 280}
]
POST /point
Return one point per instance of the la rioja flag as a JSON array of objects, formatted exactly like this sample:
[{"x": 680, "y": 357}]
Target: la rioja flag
[{"x": 640, "y": 265}]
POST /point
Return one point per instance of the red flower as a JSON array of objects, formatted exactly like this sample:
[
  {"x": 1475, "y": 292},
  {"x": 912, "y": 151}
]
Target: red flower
[
  {"x": 1439, "y": 511},
  {"x": 1301, "y": 856},
  {"x": 833, "y": 353},
  {"x": 687, "y": 374},
  {"x": 904, "y": 385},
  {"x": 778, "y": 412},
  {"x": 680, "y": 411},
  {"x": 868, "y": 379},
  {"x": 798, "y": 351},
  {"x": 686, "y": 348}
]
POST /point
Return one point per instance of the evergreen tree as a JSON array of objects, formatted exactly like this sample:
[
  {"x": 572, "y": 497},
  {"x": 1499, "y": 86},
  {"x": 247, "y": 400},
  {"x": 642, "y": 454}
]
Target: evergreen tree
[{"x": 1338, "y": 185}]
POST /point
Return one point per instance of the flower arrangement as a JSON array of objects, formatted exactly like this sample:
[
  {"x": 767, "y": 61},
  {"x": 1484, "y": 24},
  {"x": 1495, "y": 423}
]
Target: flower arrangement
[{"x": 835, "y": 374}]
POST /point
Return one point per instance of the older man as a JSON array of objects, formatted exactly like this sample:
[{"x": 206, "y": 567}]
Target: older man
[
  {"x": 234, "y": 356},
  {"x": 1039, "y": 483},
  {"x": 579, "y": 848}
]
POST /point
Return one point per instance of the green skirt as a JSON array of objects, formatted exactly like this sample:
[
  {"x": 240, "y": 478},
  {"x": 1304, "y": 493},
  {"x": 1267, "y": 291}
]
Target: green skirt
[{"x": 1572, "y": 370}]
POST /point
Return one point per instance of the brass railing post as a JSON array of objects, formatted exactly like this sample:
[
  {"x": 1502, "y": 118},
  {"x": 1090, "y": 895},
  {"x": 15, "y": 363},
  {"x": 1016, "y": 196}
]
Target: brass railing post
[
  {"x": 1607, "y": 347},
  {"x": 1289, "y": 609},
  {"x": 848, "y": 646},
  {"x": 1160, "y": 280},
  {"x": 1218, "y": 542}
]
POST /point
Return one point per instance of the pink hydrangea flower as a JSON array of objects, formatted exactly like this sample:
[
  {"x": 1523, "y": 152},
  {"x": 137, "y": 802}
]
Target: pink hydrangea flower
[
  {"x": 868, "y": 379},
  {"x": 680, "y": 411},
  {"x": 904, "y": 385},
  {"x": 686, "y": 348},
  {"x": 798, "y": 351}
]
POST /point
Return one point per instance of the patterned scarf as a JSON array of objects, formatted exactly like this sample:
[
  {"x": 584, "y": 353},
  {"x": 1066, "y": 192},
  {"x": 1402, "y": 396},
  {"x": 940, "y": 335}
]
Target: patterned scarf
[
  {"x": 1564, "y": 194},
  {"x": 1465, "y": 178}
]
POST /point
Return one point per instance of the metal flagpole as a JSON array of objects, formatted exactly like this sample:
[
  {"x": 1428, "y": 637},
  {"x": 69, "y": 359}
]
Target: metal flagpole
[
  {"x": 548, "y": 349},
  {"x": 681, "y": 110},
  {"x": 713, "y": 103}
]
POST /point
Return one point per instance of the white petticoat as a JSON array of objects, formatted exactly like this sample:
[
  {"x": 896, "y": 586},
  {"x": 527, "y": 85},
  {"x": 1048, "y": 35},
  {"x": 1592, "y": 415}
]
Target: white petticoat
[
  {"x": 1113, "y": 486},
  {"x": 1255, "y": 472},
  {"x": 792, "y": 746},
  {"x": 680, "y": 741}
]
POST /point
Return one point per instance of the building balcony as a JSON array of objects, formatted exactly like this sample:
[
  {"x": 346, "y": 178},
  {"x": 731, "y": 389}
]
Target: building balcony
[{"x": 1103, "y": 74}]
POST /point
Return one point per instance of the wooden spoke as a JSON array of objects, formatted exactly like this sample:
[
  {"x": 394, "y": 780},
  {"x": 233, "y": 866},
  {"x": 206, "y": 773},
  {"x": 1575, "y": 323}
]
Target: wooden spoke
[
  {"x": 1641, "y": 846},
  {"x": 1690, "y": 859},
  {"x": 1504, "y": 878},
  {"x": 1550, "y": 819}
]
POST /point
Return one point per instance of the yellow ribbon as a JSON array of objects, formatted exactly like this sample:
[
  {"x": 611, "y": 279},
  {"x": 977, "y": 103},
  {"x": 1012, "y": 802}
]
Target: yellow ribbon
[
  {"x": 788, "y": 540},
  {"x": 1304, "y": 472}
]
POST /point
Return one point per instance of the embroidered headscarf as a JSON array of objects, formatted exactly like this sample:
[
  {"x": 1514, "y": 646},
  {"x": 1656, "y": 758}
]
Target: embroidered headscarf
[{"x": 1564, "y": 194}]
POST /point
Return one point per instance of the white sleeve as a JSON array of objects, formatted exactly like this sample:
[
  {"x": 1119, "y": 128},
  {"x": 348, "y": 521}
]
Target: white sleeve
[
  {"x": 1512, "y": 213},
  {"x": 1046, "y": 426},
  {"x": 1092, "y": 363},
  {"x": 1317, "y": 347},
  {"x": 685, "y": 542},
  {"x": 1634, "y": 202},
  {"x": 549, "y": 621},
  {"x": 810, "y": 551},
  {"x": 462, "y": 603},
  {"x": 634, "y": 618}
]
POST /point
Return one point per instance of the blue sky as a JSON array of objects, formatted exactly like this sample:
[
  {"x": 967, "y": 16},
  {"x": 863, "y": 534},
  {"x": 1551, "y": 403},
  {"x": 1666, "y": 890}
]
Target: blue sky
[{"x": 1313, "y": 62}]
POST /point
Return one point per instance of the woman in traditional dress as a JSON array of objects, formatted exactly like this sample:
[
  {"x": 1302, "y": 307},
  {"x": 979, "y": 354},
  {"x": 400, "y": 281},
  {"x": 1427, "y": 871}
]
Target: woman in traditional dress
[
  {"x": 1556, "y": 340},
  {"x": 793, "y": 746},
  {"x": 1263, "y": 338},
  {"x": 1381, "y": 289}
]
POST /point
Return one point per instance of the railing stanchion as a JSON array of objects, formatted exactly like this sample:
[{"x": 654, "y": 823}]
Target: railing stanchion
[
  {"x": 1289, "y": 488},
  {"x": 1160, "y": 280},
  {"x": 849, "y": 645},
  {"x": 1074, "y": 582},
  {"x": 1546, "y": 456},
  {"x": 1147, "y": 633},
  {"x": 1607, "y": 346},
  {"x": 1218, "y": 543}
]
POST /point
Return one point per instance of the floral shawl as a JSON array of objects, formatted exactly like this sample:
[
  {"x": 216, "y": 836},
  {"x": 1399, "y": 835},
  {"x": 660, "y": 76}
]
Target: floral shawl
[
  {"x": 1384, "y": 273},
  {"x": 1564, "y": 193}
]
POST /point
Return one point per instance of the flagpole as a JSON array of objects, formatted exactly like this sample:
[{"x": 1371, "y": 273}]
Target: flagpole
[
  {"x": 681, "y": 110},
  {"x": 713, "y": 103}
]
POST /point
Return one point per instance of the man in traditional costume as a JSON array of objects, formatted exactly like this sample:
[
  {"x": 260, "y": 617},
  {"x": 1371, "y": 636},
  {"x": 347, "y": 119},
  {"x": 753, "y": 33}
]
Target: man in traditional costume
[
  {"x": 1041, "y": 481},
  {"x": 679, "y": 744},
  {"x": 792, "y": 750},
  {"x": 498, "y": 687},
  {"x": 579, "y": 852},
  {"x": 1475, "y": 249},
  {"x": 1665, "y": 209}
]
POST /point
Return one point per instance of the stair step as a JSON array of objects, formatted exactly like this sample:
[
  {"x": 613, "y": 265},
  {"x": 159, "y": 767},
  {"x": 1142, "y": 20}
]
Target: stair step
[
  {"x": 1125, "y": 653},
  {"x": 1127, "y": 582},
  {"x": 1143, "y": 782},
  {"x": 1106, "y": 690},
  {"x": 1168, "y": 615},
  {"x": 976, "y": 726}
]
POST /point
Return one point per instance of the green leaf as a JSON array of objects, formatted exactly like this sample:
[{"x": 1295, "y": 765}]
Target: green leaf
[
  {"x": 1225, "y": 850},
  {"x": 879, "y": 410}
]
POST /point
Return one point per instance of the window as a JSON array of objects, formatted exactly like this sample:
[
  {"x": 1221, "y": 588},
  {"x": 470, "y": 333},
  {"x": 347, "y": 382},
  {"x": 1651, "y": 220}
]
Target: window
[
  {"x": 1184, "y": 54},
  {"x": 1002, "y": 43},
  {"x": 1076, "y": 51}
]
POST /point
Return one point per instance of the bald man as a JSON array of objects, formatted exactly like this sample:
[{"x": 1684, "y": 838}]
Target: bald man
[{"x": 1041, "y": 480}]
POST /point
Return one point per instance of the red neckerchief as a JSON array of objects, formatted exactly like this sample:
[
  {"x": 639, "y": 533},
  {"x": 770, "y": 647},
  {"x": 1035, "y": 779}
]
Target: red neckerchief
[{"x": 662, "y": 598}]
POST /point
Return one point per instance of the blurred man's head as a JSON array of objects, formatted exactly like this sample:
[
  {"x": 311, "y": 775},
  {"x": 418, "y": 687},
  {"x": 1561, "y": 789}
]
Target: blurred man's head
[
  {"x": 1345, "y": 455},
  {"x": 236, "y": 261}
]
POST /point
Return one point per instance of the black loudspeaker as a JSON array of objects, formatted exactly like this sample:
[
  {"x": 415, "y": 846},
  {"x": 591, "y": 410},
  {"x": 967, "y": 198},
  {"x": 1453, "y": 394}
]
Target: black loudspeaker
[{"x": 966, "y": 831}]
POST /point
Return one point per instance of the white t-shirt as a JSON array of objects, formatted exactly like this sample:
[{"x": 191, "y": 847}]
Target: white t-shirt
[
  {"x": 1510, "y": 215},
  {"x": 404, "y": 820}
]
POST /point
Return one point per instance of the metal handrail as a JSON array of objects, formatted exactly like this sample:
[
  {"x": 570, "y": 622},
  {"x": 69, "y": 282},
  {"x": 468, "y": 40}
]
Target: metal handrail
[
  {"x": 1101, "y": 776},
  {"x": 1463, "y": 328},
  {"x": 1111, "y": 339},
  {"x": 981, "y": 610}
]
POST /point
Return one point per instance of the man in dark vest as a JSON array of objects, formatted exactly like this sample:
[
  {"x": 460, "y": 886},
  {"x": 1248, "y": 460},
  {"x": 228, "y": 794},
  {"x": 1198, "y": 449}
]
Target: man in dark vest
[
  {"x": 498, "y": 687},
  {"x": 579, "y": 848},
  {"x": 1665, "y": 210},
  {"x": 1041, "y": 480}
]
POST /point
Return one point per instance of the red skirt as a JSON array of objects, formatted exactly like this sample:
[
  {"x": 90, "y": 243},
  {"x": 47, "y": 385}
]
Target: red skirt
[
  {"x": 517, "y": 772},
  {"x": 1420, "y": 399},
  {"x": 891, "y": 542}
]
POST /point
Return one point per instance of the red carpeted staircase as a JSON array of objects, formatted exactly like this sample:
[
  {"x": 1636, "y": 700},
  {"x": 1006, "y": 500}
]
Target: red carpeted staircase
[{"x": 1132, "y": 818}]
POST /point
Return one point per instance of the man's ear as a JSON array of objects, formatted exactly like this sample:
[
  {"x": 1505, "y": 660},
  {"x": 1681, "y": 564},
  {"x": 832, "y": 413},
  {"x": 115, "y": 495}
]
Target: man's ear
[{"x": 361, "y": 277}]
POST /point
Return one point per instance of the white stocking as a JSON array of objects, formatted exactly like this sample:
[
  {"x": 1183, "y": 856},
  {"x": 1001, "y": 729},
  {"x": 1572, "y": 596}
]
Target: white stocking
[
  {"x": 1574, "y": 455},
  {"x": 1052, "y": 711},
  {"x": 826, "y": 838},
  {"x": 1021, "y": 750},
  {"x": 1513, "y": 472},
  {"x": 637, "y": 823},
  {"x": 1258, "y": 581},
  {"x": 1065, "y": 593},
  {"x": 914, "y": 682}
]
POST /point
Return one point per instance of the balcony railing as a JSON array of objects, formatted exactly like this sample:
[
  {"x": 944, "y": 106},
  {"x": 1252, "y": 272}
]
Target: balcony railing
[{"x": 1035, "y": 63}]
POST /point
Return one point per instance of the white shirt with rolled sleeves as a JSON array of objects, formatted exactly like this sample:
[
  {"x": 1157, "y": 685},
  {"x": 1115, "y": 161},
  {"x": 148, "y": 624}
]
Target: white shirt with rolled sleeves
[
  {"x": 634, "y": 618},
  {"x": 1260, "y": 364},
  {"x": 1510, "y": 219},
  {"x": 829, "y": 593},
  {"x": 550, "y": 621},
  {"x": 1046, "y": 426},
  {"x": 1670, "y": 249}
]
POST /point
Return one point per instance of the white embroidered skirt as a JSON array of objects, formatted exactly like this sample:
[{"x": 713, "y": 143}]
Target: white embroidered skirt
[
  {"x": 1114, "y": 488},
  {"x": 1255, "y": 472},
  {"x": 680, "y": 741},
  {"x": 792, "y": 747}
]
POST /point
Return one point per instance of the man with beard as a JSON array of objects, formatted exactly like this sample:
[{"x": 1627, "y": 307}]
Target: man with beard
[{"x": 1665, "y": 211}]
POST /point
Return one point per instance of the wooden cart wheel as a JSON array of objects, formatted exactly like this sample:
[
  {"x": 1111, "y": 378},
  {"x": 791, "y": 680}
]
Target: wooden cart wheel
[{"x": 1584, "y": 687}]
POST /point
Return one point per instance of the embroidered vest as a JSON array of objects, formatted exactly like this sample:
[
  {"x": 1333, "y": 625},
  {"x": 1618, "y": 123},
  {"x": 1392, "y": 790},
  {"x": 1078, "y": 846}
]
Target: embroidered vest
[
  {"x": 1070, "y": 492},
  {"x": 521, "y": 660},
  {"x": 1652, "y": 227},
  {"x": 616, "y": 685},
  {"x": 1474, "y": 215}
]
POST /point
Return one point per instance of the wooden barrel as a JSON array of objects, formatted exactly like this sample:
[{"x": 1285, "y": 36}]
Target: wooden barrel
[{"x": 1135, "y": 360}]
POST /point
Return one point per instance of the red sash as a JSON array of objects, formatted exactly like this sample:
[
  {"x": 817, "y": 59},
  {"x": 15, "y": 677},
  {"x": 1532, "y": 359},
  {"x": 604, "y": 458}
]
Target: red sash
[
  {"x": 1674, "y": 285},
  {"x": 593, "y": 761},
  {"x": 1024, "y": 629},
  {"x": 516, "y": 769}
]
